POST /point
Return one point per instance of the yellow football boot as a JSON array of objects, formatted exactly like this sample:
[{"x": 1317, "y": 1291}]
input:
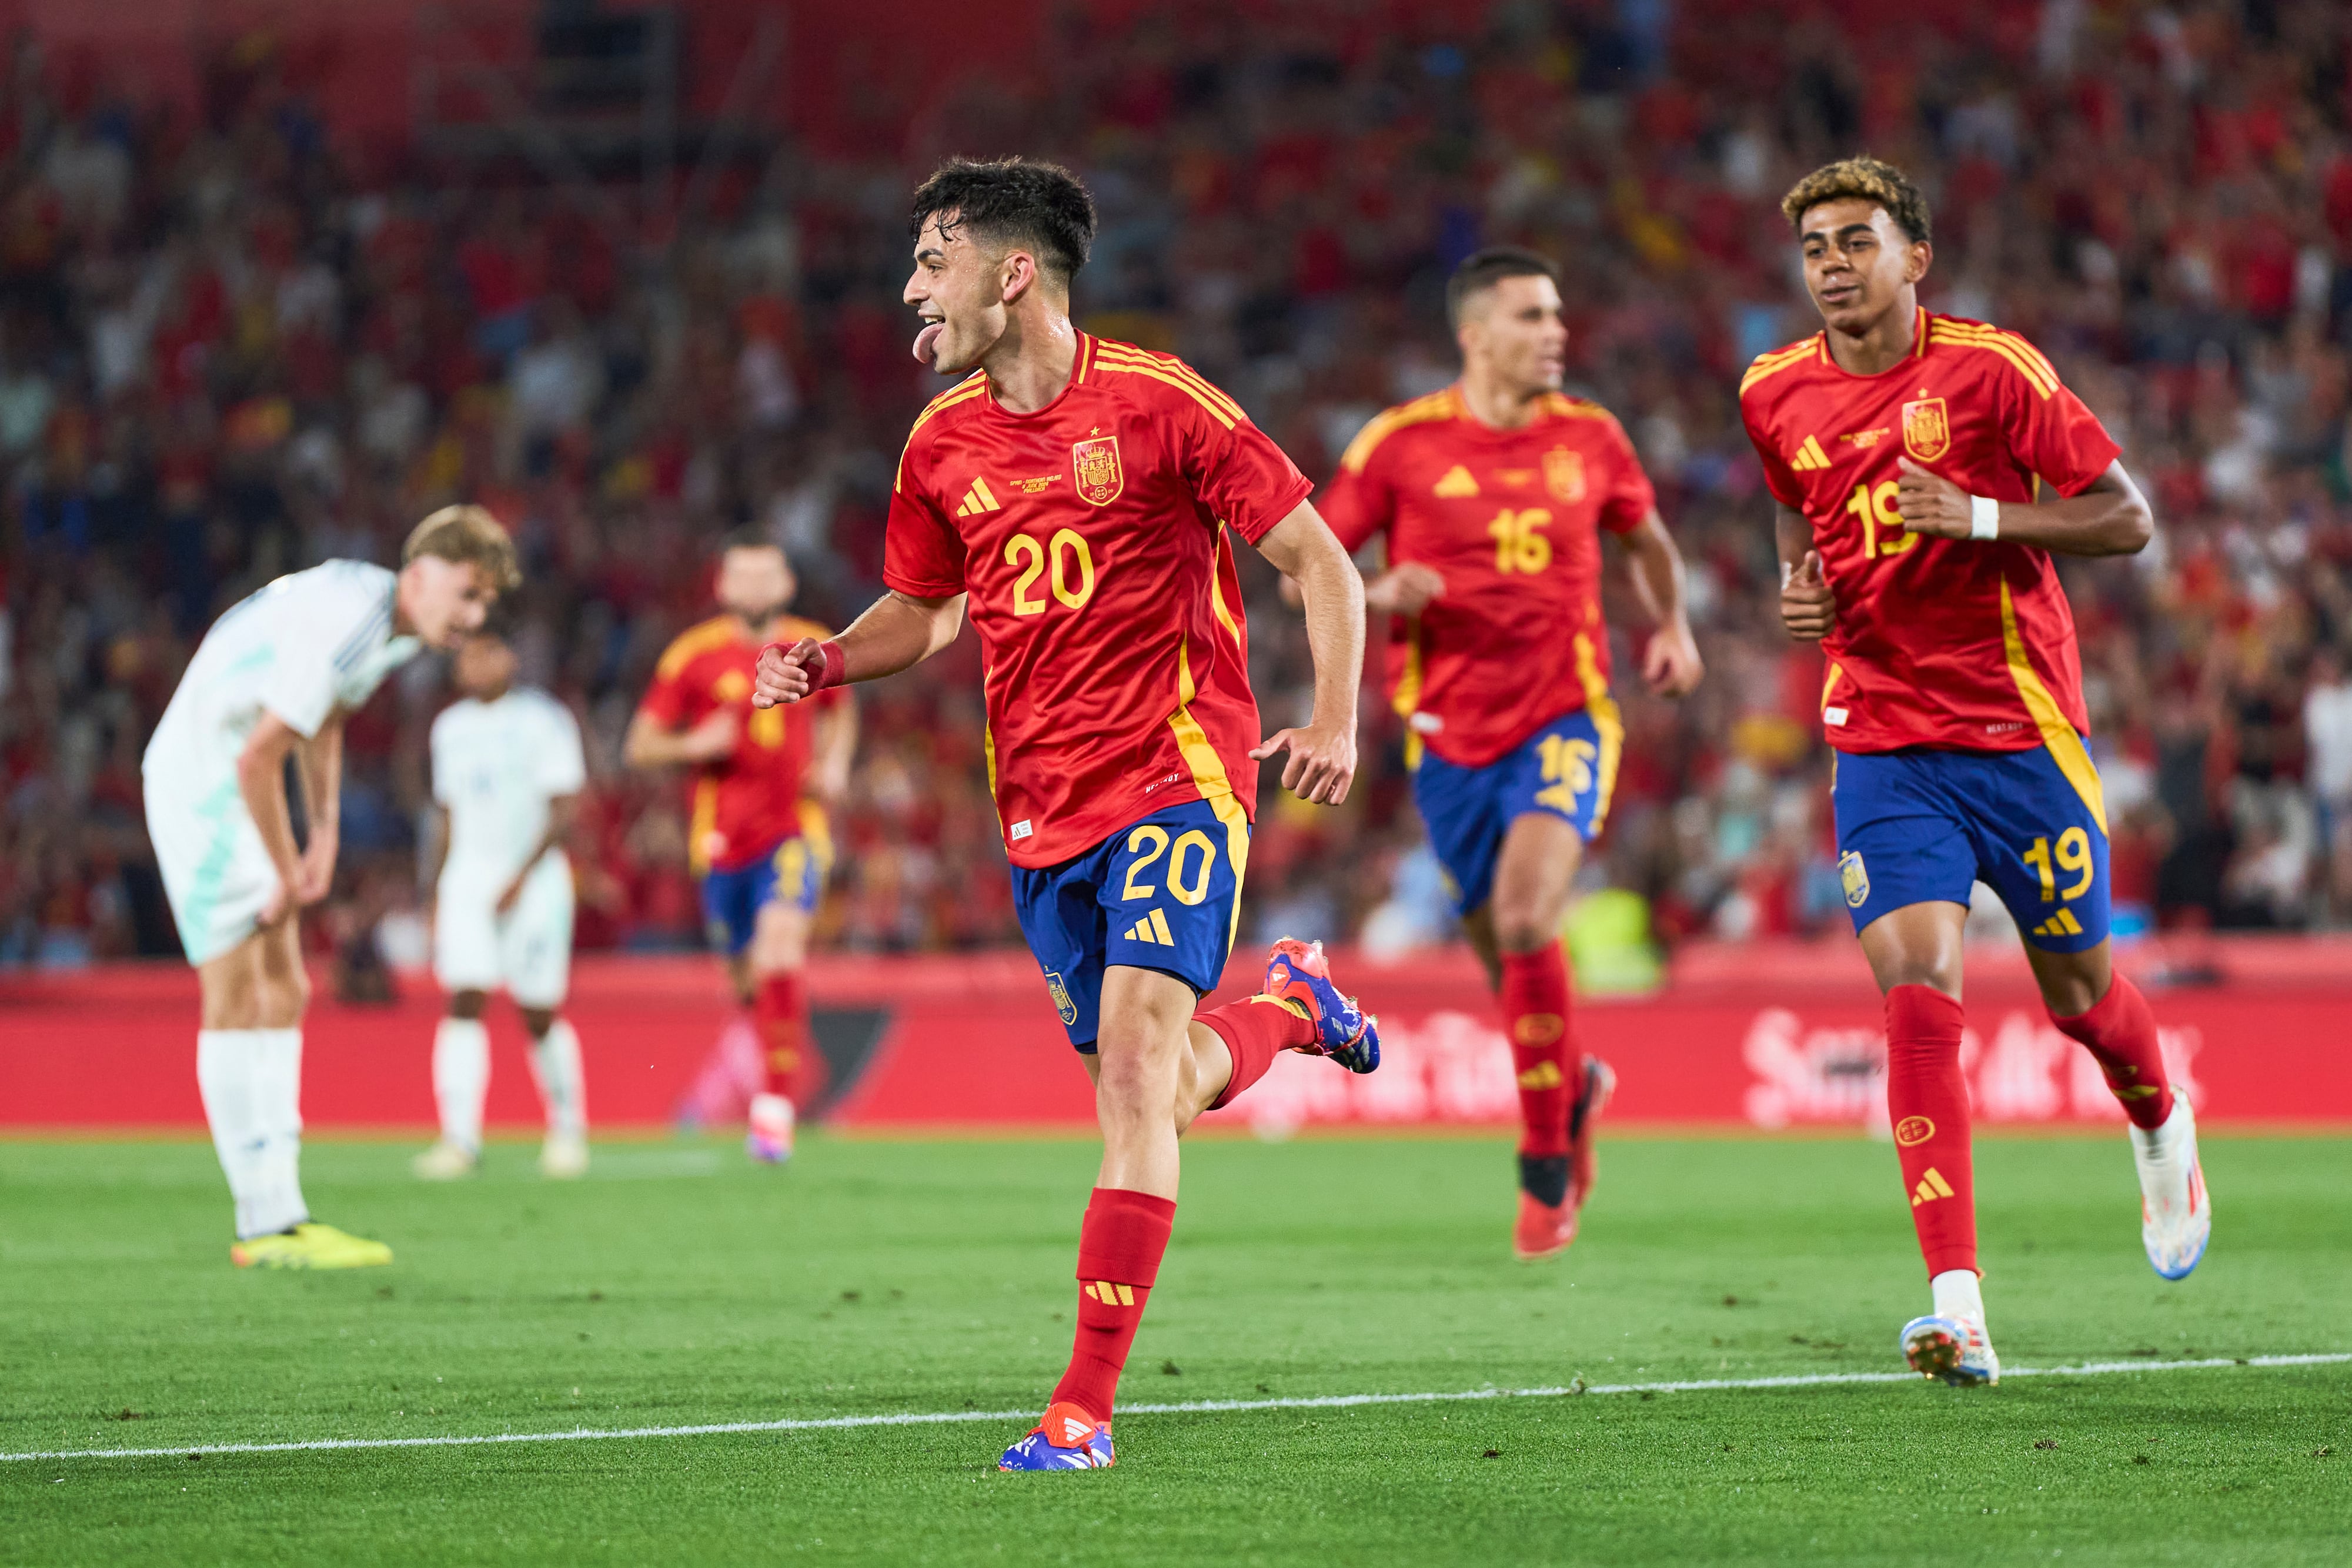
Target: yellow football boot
[{"x": 309, "y": 1245}]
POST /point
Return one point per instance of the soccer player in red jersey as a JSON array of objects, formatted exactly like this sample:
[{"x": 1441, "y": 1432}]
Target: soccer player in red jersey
[
  {"x": 1081, "y": 499},
  {"x": 1491, "y": 496},
  {"x": 757, "y": 843},
  {"x": 1926, "y": 469}
]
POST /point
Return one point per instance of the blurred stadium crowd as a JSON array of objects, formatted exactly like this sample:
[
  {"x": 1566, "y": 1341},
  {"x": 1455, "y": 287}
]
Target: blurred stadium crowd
[{"x": 228, "y": 348}]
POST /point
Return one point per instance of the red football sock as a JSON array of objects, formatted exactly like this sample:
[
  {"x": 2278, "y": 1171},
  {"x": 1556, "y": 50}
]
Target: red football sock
[
  {"x": 2121, "y": 1033},
  {"x": 1928, "y": 1102},
  {"x": 1535, "y": 1013},
  {"x": 1119, "y": 1247},
  {"x": 1255, "y": 1029},
  {"x": 780, "y": 1013}
]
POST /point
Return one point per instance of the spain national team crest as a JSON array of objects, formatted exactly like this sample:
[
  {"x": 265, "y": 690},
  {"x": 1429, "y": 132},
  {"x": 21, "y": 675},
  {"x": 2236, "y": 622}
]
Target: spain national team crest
[
  {"x": 1061, "y": 995},
  {"x": 1926, "y": 430},
  {"x": 1855, "y": 878},
  {"x": 1096, "y": 463},
  {"x": 1564, "y": 475}
]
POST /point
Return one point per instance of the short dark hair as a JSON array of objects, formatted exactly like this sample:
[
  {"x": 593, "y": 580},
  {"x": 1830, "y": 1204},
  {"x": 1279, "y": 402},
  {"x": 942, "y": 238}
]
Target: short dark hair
[
  {"x": 1013, "y": 200},
  {"x": 1861, "y": 179},
  {"x": 1482, "y": 270},
  {"x": 748, "y": 536}
]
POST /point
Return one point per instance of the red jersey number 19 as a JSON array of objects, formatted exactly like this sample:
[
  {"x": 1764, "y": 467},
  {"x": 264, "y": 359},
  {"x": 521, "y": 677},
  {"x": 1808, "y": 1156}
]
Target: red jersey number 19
[
  {"x": 1877, "y": 511},
  {"x": 1071, "y": 577}
]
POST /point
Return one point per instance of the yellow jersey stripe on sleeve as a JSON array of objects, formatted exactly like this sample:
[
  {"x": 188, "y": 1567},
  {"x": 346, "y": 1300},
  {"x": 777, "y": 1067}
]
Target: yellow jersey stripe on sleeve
[
  {"x": 2028, "y": 364},
  {"x": 1114, "y": 367},
  {"x": 971, "y": 386},
  {"x": 1387, "y": 423},
  {"x": 1116, "y": 354},
  {"x": 691, "y": 643},
  {"x": 1776, "y": 362}
]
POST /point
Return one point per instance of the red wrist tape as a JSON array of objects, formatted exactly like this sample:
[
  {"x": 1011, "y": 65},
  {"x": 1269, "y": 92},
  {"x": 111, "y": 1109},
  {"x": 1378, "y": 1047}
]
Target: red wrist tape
[{"x": 834, "y": 670}]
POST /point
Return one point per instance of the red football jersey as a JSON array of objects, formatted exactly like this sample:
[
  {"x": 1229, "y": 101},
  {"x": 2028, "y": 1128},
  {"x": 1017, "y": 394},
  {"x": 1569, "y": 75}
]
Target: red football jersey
[
  {"x": 1959, "y": 643},
  {"x": 1511, "y": 520},
  {"x": 746, "y": 804},
  {"x": 1094, "y": 537}
]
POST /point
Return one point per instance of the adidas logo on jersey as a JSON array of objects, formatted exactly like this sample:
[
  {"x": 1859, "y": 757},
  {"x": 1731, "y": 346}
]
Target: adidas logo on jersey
[
  {"x": 978, "y": 499},
  {"x": 1152, "y": 929},
  {"x": 1810, "y": 457},
  {"x": 1456, "y": 483},
  {"x": 2061, "y": 924}
]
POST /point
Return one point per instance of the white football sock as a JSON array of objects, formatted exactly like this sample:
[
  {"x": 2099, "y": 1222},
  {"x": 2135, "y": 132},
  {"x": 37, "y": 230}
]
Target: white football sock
[
  {"x": 1957, "y": 1296},
  {"x": 251, "y": 1082},
  {"x": 562, "y": 1086},
  {"x": 461, "y": 1079},
  {"x": 2163, "y": 1155}
]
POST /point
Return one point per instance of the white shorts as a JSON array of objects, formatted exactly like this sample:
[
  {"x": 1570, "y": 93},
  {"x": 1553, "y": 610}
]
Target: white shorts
[
  {"x": 527, "y": 950},
  {"x": 215, "y": 872}
]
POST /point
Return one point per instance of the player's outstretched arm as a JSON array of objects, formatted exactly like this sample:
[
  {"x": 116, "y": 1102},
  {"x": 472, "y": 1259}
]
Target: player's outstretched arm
[
  {"x": 1808, "y": 608},
  {"x": 896, "y": 632},
  {"x": 1323, "y": 754},
  {"x": 2110, "y": 518},
  {"x": 1671, "y": 664},
  {"x": 261, "y": 781}
]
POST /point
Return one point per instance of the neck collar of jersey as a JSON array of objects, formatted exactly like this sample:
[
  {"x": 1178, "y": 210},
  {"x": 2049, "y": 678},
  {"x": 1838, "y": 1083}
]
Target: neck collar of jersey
[
  {"x": 1918, "y": 349},
  {"x": 1080, "y": 366}
]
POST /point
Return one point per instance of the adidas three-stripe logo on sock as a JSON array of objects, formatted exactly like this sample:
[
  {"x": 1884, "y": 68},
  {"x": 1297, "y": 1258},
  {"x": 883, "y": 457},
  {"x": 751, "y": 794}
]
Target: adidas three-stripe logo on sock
[
  {"x": 1931, "y": 1186},
  {"x": 1109, "y": 1295}
]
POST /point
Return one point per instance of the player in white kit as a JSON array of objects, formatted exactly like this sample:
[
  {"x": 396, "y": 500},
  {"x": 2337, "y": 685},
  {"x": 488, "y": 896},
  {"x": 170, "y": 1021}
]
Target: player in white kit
[
  {"x": 507, "y": 772},
  {"x": 273, "y": 681}
]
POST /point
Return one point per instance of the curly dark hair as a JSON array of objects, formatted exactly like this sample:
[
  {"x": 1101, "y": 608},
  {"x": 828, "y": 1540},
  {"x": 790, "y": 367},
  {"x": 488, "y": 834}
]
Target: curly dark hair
[
  {"x": 1013, "y": 200},
  {"x": 1865, "y": 179}
]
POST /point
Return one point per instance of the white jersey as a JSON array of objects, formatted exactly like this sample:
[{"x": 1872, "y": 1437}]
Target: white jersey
[
  {"x": 307, "y": 644},
  {"x": 496, "y": 766},
  {"x": 303, "y": 648}
]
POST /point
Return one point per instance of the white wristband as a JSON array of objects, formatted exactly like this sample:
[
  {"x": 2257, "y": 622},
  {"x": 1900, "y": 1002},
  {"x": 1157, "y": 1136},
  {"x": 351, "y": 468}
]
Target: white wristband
[{"x": 1984, "y": 517}]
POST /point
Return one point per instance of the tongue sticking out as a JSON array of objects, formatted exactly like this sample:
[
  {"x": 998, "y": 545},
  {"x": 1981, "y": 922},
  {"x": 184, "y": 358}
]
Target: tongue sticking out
[{"x": 926, "y": 338}]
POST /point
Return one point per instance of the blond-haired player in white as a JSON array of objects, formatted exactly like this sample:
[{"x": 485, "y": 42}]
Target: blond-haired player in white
[
  {"x": 271, "y": 684},
  {"x": 507, "y": 774}
]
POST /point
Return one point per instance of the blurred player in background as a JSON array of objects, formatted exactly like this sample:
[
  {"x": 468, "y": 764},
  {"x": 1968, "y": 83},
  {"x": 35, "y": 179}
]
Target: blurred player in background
[
  {"x": 759, "y": 845},
  {"x": 271, "y": 685},
  {"x": 506, "y": 775},
  {"x": 1490, "y": 497},
  {"x": 1927, "y": 468},
  {"x": 1081, "y": 497}
]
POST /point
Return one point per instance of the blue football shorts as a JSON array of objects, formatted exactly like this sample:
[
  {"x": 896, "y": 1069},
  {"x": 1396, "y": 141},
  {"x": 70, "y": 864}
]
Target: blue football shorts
[
  {"x": 1163, "y": 893},
  {"x": 1923, "y": 825},
  {"x": 794, "y": 875},
  {"x": 1568, "y": 768}
]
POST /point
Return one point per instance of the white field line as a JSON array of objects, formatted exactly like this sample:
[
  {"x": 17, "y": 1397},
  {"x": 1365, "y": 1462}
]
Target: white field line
[{"x": 1190, "y": 1407}]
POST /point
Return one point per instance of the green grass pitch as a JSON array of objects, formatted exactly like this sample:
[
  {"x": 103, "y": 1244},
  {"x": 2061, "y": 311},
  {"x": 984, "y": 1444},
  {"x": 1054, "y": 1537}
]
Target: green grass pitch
[{"x": 677, "y": 1286}]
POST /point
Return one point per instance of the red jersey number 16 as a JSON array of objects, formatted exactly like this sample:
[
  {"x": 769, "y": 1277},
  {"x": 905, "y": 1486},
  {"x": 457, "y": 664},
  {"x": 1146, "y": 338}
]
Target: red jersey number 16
[
  {"x": 1071, "y": 577},
  {"x": 1877, "y": 511},
  {"x": 1518, "y": 544}
]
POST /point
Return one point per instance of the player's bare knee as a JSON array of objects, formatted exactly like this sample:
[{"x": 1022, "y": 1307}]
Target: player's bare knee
[
  {"x": 468, "y": 1005},
  {"x": 1521, "y": 928},
  {"x": 538, "y": 1021}
]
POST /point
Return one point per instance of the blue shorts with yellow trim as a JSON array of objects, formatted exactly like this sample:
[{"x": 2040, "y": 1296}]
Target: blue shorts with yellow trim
[
  {"x": 1568, "y": 768},
  {"x": 1923, "y": 826},
  {"x": 794, "y": 875},
  {"x": 1162, "y": 892}
]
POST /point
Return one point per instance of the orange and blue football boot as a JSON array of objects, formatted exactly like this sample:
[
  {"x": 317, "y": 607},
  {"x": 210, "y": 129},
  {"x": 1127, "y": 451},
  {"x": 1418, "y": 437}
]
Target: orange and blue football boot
[
  {"x": 1298, "y": 973},
  {"x": 1066, "y": 1440}
]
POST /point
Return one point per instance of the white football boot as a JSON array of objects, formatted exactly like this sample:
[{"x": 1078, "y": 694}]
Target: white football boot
[
  {"x": 445, "y": 1161},
  {"x": 563, "y": 1157},
  {"x": 1950, "y": 1343},
  {"x": 1955, "y": 1350},
  {"x": 2176, "y": 1213}
]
